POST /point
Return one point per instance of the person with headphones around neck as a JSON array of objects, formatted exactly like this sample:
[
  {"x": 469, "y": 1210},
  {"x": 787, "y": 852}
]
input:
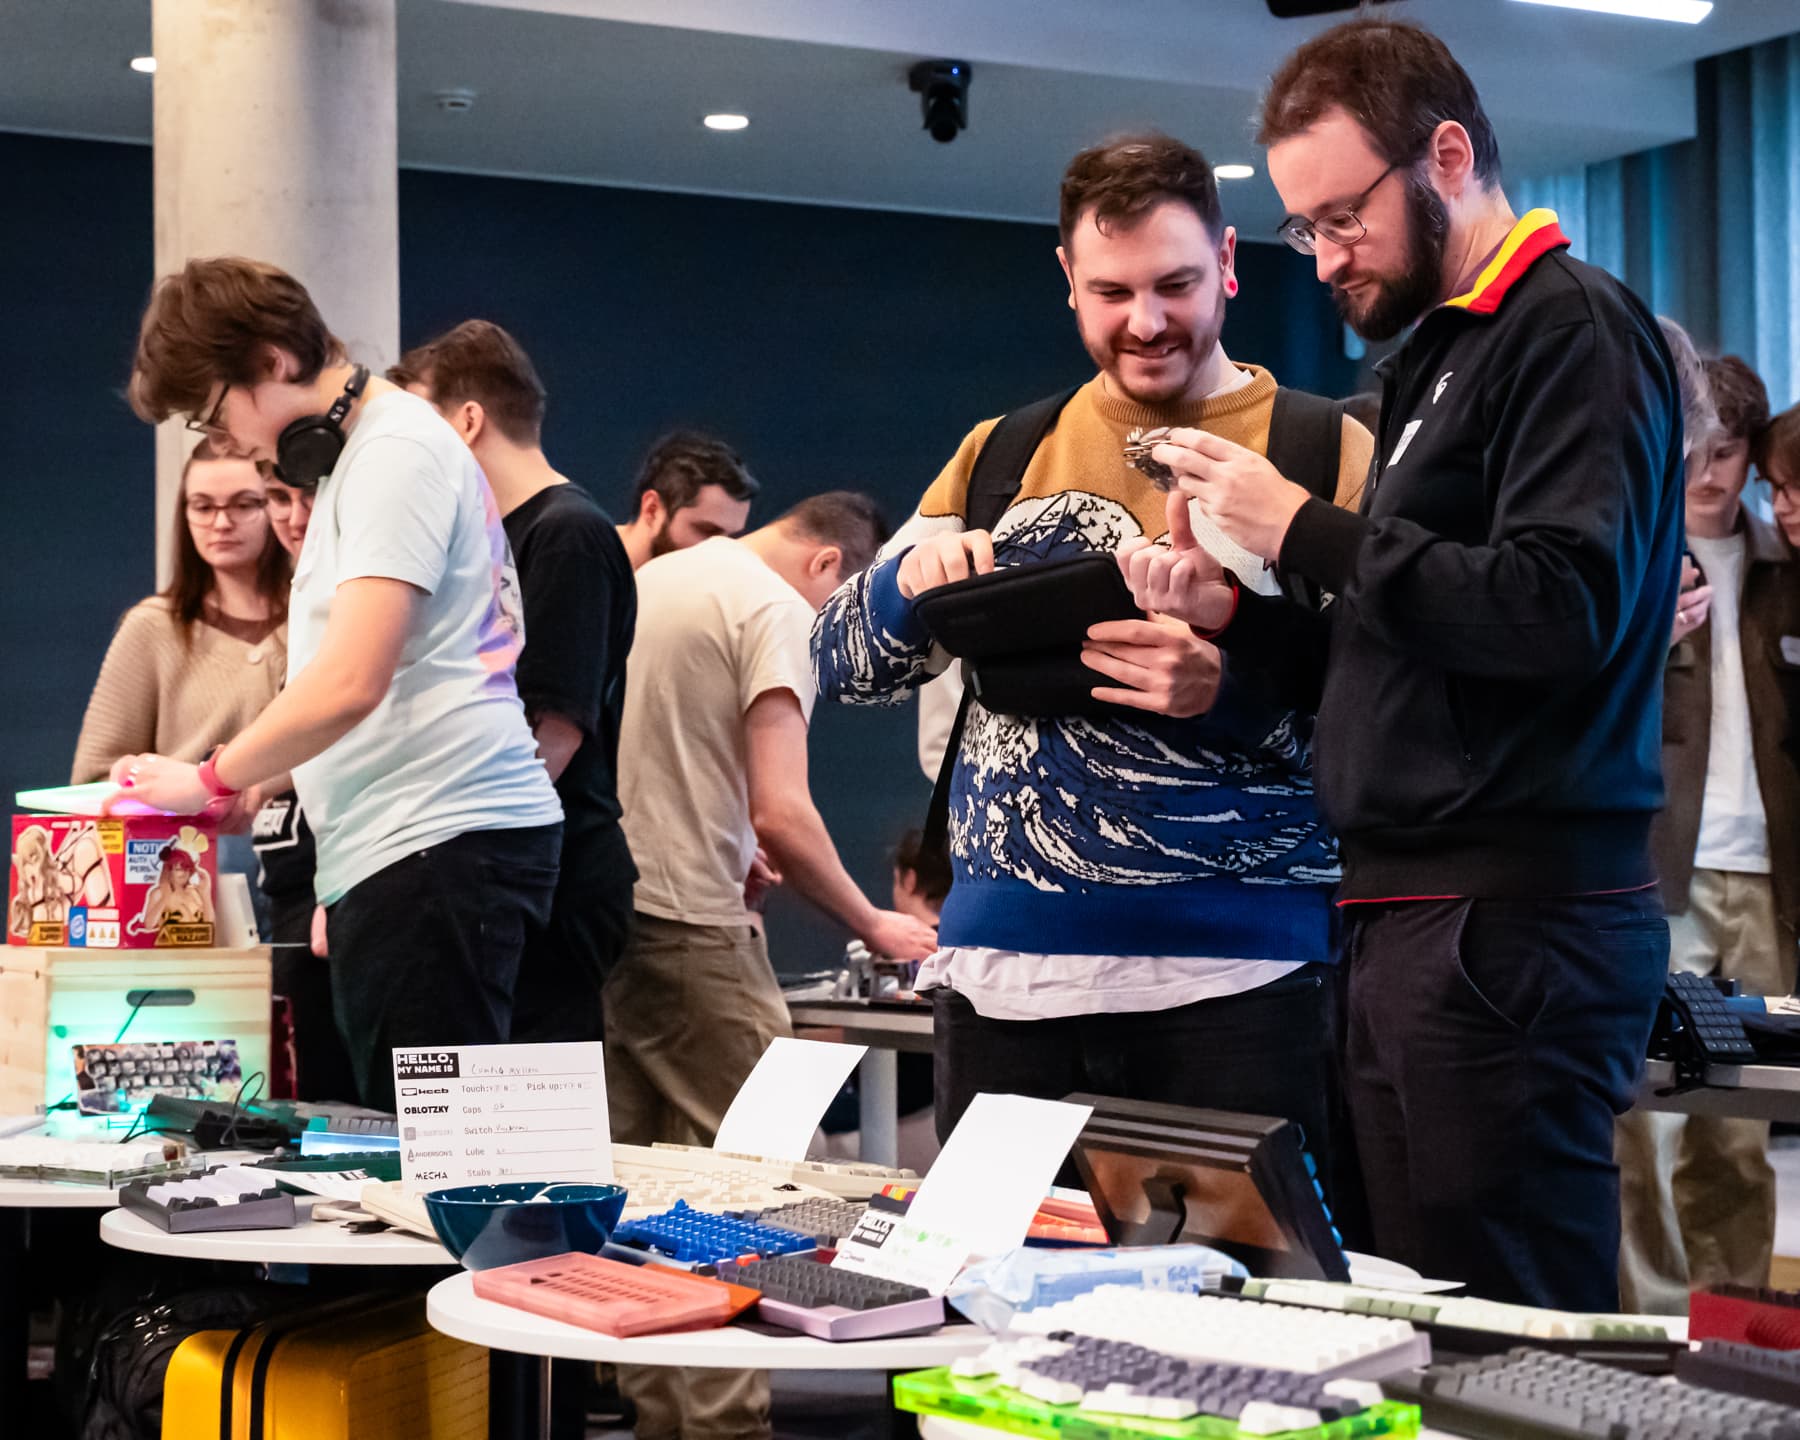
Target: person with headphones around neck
[{"x": 438, "y": 831}]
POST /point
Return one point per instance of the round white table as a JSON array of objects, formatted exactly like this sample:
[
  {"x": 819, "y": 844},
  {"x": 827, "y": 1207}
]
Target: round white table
[
  {"x": 454, "y": 1308},
  {"x": 54, "y": 1195},
  {"x": 308, "y": 1243}
]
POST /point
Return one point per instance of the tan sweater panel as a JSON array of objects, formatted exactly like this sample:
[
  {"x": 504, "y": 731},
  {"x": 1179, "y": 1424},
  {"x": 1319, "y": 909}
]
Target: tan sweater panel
[{"x": 157, "y": 692}]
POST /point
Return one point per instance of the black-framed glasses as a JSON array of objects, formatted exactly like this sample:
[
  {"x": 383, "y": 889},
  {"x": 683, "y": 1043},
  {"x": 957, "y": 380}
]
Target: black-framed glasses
[
  {"x": 241, "y": 508},
  {"x": 210, "y": 425},
  {"x": 1343, "y": 226},
  {"x": 281, "y": 499}
]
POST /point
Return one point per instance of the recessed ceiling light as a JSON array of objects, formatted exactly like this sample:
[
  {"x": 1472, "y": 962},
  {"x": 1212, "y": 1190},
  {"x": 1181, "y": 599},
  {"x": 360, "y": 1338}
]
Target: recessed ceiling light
[
  {"x": 726, "y": 122},
  {"x": 1687, "y": 12},
  {"x": 1234, "y": 172},
  {"x": 144, "y": 64}
]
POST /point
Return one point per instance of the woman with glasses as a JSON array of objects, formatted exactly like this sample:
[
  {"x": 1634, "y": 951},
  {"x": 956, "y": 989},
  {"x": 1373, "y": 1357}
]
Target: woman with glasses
[{"x": 192, "y": 666}]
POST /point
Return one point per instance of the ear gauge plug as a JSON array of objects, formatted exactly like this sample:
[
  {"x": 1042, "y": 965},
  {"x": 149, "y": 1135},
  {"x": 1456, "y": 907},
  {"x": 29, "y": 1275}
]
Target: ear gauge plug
[{"x": 1230, "y": 286}]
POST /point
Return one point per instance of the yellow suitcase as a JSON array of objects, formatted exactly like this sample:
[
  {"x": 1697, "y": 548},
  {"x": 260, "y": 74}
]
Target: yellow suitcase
[{"x": 355, "y": 1370}]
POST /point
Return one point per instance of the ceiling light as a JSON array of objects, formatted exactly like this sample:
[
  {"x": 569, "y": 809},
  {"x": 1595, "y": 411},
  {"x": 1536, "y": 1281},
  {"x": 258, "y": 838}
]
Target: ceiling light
[
  {"x": 1234, "y": 172},
  {"x": 144, "y": 64},
  {"x": 1688, "y": 12},
  {"x": 726, "y": 122}
]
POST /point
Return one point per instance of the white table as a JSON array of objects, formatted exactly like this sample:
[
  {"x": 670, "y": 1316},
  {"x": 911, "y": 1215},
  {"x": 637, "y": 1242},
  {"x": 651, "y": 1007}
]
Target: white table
[
  {"x": 454, "y": 1308},
  {"x": 308, "y": 1243},
  {"x": 886, "y": 1027},
  {"x": 1748, "y": 1092}
]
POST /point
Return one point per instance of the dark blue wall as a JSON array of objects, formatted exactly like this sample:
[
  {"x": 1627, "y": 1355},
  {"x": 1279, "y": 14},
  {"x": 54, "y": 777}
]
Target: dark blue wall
[{"x": 833, "y": 347}]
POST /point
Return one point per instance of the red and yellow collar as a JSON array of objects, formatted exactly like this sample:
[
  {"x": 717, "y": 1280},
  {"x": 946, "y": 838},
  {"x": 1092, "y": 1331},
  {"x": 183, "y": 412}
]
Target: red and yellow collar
[{"x": 1536, "y": 233}]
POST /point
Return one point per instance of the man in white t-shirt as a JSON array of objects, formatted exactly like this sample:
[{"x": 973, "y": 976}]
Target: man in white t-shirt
[
  {"x": 1698, "y": 1196},
  {"x": 712, "y": 759},
  {"x": 438, "y": 830}
]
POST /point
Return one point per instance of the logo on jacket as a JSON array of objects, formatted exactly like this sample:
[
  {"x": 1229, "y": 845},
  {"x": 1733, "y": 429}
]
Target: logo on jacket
[{"x": 1443, "y": 380}]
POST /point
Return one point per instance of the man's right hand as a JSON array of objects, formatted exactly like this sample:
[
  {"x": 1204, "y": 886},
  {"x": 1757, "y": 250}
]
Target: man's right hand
[
  {"x": 899, "y": 937},
  {"x": 944, "y": 558},
  {"x": 1693, "y": 605},
  {"x": 1181, "y": 578}
]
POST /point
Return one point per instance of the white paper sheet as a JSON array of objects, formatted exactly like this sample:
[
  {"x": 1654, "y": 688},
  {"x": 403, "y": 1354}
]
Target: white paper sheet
[{"x": 780, "y": 1105}]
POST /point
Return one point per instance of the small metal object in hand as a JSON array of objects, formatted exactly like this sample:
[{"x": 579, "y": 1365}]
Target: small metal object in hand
[{"x": 1138, "y": 445}]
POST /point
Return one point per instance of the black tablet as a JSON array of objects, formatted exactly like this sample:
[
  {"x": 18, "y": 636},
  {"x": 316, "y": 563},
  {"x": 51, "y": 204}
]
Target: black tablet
[{"x": 1018, "y": 610}]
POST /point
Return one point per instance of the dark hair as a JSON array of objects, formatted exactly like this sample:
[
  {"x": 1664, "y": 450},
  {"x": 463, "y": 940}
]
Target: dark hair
[
  {"x": 681, "y": 464},
  {"x": 1739, "y": 396},
  {"x": 1123, "y": 178},
  {"x": 1397, "y": 80},
  {"x": 479, "y": 361},
  {"x": 930, "y": 866},
  {"x": 191, "y": 578},
  {"x": 845, "y": 518},
  {"x": 1779, "y": 444},
  {"x": 211, "y": 323}
]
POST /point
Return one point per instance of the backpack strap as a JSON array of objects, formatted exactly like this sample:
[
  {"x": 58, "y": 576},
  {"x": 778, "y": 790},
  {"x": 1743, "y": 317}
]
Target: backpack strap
[
  {"x": 993, "y": 483},
  {"x": 1306, "y": 434}
]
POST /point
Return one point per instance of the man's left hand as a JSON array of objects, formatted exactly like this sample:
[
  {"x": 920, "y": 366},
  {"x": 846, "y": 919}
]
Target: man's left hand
[
  {"x": 1160, "y": 664},
  {"x": 1238, "y": 490}
]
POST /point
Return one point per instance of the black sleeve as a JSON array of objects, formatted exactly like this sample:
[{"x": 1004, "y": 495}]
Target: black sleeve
[
  {"x": 1578, "y": 436},
  {"x": 575, "y": 587},
  {"x": 1278, "y": 648}
]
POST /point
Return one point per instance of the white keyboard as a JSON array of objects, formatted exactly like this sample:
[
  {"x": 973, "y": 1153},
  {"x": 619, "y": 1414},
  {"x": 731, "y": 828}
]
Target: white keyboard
[
  {"x": 846, "y": 1179},
  {"x": 228, "y": 1185},
  {"x": 1463, "y": 1311},
  {"x": 1323, "y": 1343},
  {"x": 655, "y": 1179},
  {"x": 92, "y": 1162}
]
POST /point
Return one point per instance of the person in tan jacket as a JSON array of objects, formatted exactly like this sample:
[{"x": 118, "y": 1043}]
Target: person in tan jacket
[{"x": 1697, "y": 1192}]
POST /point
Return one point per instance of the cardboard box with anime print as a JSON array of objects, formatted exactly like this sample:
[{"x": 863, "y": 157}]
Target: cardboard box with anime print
[{"x": 115, "y": 883}]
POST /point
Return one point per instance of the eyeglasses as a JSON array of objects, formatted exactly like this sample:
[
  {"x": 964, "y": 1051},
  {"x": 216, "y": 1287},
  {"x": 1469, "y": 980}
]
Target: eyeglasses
[
  {"x": 210, "y": 425},
  {"x": 1788, "y": 490},
  {"x": 1342, "y": 226},
  {"x": 283, "y": 500},
  {"x": 241, "y": 510}
]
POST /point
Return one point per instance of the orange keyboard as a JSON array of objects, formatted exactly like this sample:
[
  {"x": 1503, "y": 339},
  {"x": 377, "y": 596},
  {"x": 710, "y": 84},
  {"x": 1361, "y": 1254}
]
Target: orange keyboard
[{"x": 613, "y": 1297}]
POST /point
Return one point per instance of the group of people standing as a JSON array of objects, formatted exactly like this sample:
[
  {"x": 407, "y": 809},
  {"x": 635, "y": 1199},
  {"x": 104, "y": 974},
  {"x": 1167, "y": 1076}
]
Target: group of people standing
[{"x": 1362, "y": 833}]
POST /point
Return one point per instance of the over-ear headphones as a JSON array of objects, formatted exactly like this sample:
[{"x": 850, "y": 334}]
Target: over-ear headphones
[{"x": 310, "y": 446}]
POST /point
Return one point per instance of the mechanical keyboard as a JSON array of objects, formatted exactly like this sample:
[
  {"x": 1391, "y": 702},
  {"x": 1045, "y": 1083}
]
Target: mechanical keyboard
[
  {"x": 656, "y": 1177},
  {"x": 846, "y": 1179},
  {"x": 1223, "y": 1328},
  {"x": 826, "y": 1221},
  {"x": 1742, "y": 1370},
  {"x": 697, "y": 1237},
  {"x": 89, "y": 1162},
  {"x": 1741, "y": 1312},
  {"x": 1529, "y": 1394},
  {"x": 613, "y": 1297},
  {"x": 232, "y": 1197},
  {"x": 800, "y": 1292},
  {"x": 1100, "y": 1389}
]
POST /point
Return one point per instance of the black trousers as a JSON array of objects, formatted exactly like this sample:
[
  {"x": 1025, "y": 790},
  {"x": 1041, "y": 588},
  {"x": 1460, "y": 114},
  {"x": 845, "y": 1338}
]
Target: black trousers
[
  {"x": 1267, "y": 1051},
  {"x": 1489, "y": 1045},
  {"x": 567, "y": 959},
  {"x": 426, "y": 952}
]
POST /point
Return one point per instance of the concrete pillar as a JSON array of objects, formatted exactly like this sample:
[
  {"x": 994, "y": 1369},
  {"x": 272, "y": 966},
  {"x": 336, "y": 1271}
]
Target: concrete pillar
[{"x": 275, "y": 138}]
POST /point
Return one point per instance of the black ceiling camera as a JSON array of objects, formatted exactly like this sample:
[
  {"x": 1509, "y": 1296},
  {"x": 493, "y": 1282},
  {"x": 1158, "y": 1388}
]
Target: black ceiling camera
[
  {"x": 1299, "y": 9},
  {"x": 943, "y": 87},
  {"x": 308, "y": 448}
]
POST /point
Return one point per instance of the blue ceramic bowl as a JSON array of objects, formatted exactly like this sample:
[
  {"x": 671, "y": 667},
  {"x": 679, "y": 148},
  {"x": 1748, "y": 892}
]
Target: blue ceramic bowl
[{"x": 488, "y": 1225}]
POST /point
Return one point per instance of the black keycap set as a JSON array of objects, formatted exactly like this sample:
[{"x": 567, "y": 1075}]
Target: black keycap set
[
  {"x": 793, "y": 1280},
  {"x": 1772, "y": 1375}
]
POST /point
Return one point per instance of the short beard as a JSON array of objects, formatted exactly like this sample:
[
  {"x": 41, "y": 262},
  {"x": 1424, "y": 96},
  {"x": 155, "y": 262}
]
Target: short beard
[
  {"x": 660, "y": 543},
  {"x": 1400, "y": 301}
]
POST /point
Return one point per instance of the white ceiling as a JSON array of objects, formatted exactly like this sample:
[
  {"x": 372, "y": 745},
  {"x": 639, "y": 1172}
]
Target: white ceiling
[{"x": 611, "y": 91}]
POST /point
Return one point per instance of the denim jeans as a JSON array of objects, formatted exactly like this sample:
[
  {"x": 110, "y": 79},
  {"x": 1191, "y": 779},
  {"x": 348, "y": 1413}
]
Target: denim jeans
[{"x": 426, "y": 951}]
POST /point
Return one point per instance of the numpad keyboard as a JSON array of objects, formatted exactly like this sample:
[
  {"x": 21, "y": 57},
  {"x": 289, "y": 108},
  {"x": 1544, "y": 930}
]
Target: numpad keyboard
[
  {"x": 612, "y": 1297},
  {"x": 1741, "y": 1369},
  {"x": 698, "y": 1237},
  {"x": 1529, "y": 1394},
  {"x": 1101, "y": 1389},
  {"x": 825, "y": 1221},
  {"x": 800, "y": 1292},
  {"x": 232, "y": 1197},
  {"x": 89, "y": 1162},
  {"x": 1223, "y": 1328},
  {"x": 1753, "y": 1314}
]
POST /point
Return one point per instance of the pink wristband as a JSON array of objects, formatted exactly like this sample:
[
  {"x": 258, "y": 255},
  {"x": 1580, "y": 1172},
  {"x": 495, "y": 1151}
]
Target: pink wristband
[{"x": 209, "y": 777}]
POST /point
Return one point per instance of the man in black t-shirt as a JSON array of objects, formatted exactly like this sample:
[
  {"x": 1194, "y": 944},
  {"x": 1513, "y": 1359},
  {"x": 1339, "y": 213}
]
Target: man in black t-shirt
[{"x": 580, "y": 611}]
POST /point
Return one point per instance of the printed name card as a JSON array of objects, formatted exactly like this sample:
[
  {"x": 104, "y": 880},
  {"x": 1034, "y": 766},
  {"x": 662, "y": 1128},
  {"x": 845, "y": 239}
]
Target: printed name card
[
  {"x": 785, "y": 1097},
  {"x": 495, "y": 1114},
  {"x": 979, "y": 1198}
]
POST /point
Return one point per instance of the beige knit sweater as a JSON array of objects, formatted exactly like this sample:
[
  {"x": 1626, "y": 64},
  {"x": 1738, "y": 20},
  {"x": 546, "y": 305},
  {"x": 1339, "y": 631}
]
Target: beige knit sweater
[{"x": 158, "y": 692}]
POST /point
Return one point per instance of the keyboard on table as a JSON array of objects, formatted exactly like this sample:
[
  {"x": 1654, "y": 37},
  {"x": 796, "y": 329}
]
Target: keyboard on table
[
  {"x": 655, "y": 1177},
  {"x": 232, "y": 1197},
  {"x": 825, "y": 1221},
  {"x": 1741, "y": 1369},
  {"x": 692, "y": 1236},
  {"x": 89, "y": 1162},
  {"x": 1529, "y": 1394},
  {"x": 1754, "y": 1315},
  {"x": 846, "y": 1179},
  {"x": 613, "y": 1297},
  {"x": 800, "y": 1292},
  {"x": 1109, "y": 1388},
  {"x": 1191, "y": 1326}
]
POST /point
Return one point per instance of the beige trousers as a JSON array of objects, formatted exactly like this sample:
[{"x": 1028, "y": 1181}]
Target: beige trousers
[
  {"x": 1696, "y": 1191},
  {"x": 689, "y": 1011}
]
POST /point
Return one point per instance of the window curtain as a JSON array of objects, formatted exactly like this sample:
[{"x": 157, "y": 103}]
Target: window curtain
[{"x": 1708, "y": 231}]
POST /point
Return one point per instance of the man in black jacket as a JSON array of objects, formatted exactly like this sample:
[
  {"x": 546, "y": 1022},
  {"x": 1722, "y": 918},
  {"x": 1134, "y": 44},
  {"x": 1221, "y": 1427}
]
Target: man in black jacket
[{"x": 1491, "y": 667}]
